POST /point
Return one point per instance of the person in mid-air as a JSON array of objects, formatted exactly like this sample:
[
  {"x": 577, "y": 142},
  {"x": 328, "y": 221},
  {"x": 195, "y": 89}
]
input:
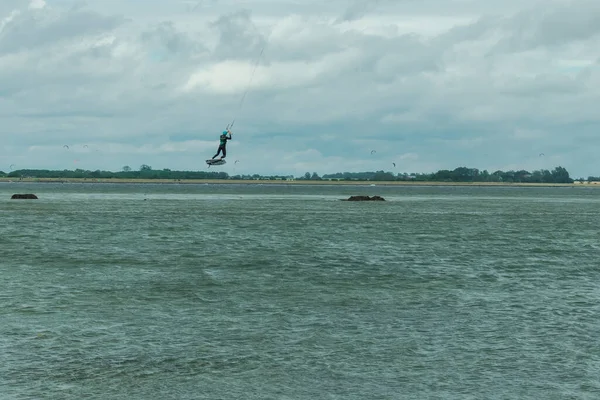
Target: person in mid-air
[{"x": 223, "y": 143}]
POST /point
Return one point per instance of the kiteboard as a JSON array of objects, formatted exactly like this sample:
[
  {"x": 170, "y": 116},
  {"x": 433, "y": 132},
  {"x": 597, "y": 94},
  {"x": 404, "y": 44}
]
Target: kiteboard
[{"x": 217, "y": 161}]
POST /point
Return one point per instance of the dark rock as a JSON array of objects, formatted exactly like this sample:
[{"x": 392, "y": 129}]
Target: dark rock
[
  {"x": 365, "y": 198},
  {"x": 24, "y": 196}
]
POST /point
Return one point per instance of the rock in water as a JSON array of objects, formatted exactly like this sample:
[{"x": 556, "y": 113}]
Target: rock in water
[
  {"x": 365, "y": 198},
  {"x": 24, "y": 196}
]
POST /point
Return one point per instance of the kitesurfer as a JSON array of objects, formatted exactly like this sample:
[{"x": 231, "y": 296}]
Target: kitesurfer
[{"x": 223, "y": 143}]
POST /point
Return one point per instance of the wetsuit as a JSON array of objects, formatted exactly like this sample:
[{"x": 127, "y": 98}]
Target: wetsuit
[{"x": 223, "y": 143}]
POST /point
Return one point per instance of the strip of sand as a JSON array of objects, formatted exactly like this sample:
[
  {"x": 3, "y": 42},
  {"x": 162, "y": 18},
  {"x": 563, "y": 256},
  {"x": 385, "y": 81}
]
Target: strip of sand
[{"x": 286, "y": 182}]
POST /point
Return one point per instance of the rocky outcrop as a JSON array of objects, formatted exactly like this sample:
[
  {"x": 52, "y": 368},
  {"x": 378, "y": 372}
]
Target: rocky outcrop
[
  {"x": 24, "y": 196},
  {"x": 365, "y": 198}
]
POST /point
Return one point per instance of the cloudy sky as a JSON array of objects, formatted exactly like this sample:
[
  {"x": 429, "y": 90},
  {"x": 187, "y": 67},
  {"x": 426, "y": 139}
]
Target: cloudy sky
[{"x": 427, "y": 84}]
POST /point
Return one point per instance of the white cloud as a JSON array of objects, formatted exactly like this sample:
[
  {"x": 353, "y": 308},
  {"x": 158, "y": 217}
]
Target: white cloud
[
  {"x": 528, "y": 134},
  {"x": 37, "y": 4},
  {"x": 236, "y": 76},
  {"x": 409, "y": 156},
  {"x": 430, "y": 84}
]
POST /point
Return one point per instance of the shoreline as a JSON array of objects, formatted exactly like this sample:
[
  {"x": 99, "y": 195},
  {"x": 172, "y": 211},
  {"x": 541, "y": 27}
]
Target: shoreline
[{"x": 283, "y": 182}]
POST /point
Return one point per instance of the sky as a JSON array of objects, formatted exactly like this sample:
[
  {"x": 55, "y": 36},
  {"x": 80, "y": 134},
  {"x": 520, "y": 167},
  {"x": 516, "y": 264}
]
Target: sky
[{"x": 312, "y": 86}]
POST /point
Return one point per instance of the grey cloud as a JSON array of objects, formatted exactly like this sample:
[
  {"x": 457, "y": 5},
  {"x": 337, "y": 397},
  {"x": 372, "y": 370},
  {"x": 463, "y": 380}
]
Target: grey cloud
[
  {"x": 199, "y": 5},
  {"x": 555, "y": 26},
  {"x": 543, "y": 84},
  {"x": 30, "y": 30},
  {"x": 322, "y": 40},
  {"x": 165, "y": 41},
  {"x": 404, "y": 56},
  {"x": 474, "y": 31},
  {"x": 382, "y": 57},
  {"x": 7, "y": 6},
  {"x": 238, "y": 36},
  {"x": 358, "y": 9},
  {"x": 573, "y": 22}
]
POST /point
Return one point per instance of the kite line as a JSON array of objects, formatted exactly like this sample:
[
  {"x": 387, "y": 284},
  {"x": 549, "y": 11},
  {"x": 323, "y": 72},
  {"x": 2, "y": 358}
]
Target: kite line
[{"x": 249, "y": 83}]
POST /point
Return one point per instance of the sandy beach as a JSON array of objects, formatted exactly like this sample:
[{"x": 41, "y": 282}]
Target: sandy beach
[{"x": 284, "y": 182}]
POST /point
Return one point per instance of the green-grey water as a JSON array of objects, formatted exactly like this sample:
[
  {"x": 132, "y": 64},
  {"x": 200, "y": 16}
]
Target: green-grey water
[{"x": 284, "y": 292}]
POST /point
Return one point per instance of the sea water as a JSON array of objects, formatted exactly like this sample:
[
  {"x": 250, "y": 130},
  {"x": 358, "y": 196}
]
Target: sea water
[{"x": 178, "y": 291}]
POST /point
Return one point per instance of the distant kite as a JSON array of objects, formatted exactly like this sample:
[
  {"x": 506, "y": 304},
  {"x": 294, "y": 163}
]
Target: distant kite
[
  {"x": 85, "y": 146},
  {"x": 66, "y": 147},
  {"x": 541, "y": 154},
  {"x": 373, "y": 151},
  {"x": 394, "y": 164},
  {"x": 12, "y": 166},
  {"x": 236, "y": 161}
]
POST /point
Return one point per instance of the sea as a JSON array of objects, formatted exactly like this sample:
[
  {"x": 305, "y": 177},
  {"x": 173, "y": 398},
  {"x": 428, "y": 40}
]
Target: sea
[{"x": 258, "y": 291}]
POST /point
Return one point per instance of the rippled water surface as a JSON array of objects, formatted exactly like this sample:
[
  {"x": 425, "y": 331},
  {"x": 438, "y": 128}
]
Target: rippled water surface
[{"x": 284, "y": 292}]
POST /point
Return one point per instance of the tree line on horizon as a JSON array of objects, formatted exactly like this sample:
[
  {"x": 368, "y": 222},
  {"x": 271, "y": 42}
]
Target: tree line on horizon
[
  {"x": 464, "y": 174},
  {"x": 460, "y": 174}
]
